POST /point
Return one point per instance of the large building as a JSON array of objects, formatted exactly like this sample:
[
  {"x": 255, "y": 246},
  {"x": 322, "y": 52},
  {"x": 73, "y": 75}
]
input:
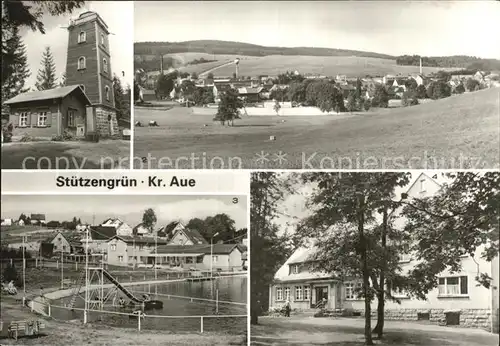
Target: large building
[{"x": 476, "y": 305}]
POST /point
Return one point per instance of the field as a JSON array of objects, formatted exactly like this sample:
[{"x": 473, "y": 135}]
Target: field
[
  {"x": 66, "y": 155},
  {"x": 324, "y": 65},
  {"x": 457, "y": 132}
]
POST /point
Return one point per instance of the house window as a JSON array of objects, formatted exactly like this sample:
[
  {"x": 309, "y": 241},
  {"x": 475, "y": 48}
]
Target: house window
[
  {"x": 113, "y": 247},
  {"x": 214, "y": 259},
  {"x": 453, "y": 286},
  {"x": 42, "y": 118},
  {"x": 307, "y": 293},
  {"x": 81, "y": 63},
  {"x": 23, "y": 119},
  {"x": 64, "y": 247},
  {"x": 405, "y": 258},
  {"x": 350, "y": 290},
  {"x": 141, "y": 247},
  {"x": 279, "y": 293},
  {"x": 105, "y": 64},
  {"x": 422, "y": 185},
  {"x": 287, "y": 293},
  {"x": 199, "y": 259},
  {"x": 295, "y": 268},
  {"x": 120, "y": 258},
  {"x": 298, "y": 293},
  {"x": 102, "y": 39},
  {"x": 71, "y": 118},
  {"x": 107, "y": 92},
  {"x": 82, "y": 37}
]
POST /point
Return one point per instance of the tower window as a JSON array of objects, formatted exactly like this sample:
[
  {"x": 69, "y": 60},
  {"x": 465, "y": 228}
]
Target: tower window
[
  {"x": 82, "y": 37},
  {"x": 102, "y": 39},
  {"x": 81, "y": 63},
  {"x": 105, "y": 65},
  {"x": 107, "y": 92}
]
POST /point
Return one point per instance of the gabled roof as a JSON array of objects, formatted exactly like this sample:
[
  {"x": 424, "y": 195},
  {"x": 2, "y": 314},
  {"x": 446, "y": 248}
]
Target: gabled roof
[
  {"x": 102, "y": 232},
  {"x": 250, "y": 90},
  {"x": 191, "y": 234},
  {"x": 49, "y": 94},
  {"x": 218, "y": 249},
  {"x": 139, "y": 240}
]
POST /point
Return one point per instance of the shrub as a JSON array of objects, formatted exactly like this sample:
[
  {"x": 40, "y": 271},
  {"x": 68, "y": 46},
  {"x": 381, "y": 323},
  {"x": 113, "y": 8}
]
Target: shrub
[
  {"x": 409, "y": 99},
  {"x": 366, "y": 105}
]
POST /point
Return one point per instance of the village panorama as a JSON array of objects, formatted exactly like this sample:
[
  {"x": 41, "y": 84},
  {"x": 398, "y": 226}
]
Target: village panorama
[
  {"x": 383, "y": 258},
  {"x": 123, "y": 269},
  {"x": 323, "y": 94}
]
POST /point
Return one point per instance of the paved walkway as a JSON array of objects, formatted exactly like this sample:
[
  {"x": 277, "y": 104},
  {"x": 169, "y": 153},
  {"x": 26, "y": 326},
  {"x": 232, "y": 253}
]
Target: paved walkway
[{"x": 349, "y": 332}]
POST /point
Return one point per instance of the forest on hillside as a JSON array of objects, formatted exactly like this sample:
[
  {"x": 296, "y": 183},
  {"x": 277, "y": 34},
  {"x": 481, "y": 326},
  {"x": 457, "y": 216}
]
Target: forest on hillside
[{"x": 461, "y": 61}]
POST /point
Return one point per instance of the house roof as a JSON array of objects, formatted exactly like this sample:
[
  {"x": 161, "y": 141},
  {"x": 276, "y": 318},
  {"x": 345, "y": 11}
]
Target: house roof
[
  {"x": 250, "y": 90},
  {"x": 102, "y": 232},
  {"x": 49, "y": 94},
  {"x": 191, "y": 234},
  {"x": 139, "y": 240},
  {"x": 218, "y": 249},
  {"x": 39, "y": 217}
]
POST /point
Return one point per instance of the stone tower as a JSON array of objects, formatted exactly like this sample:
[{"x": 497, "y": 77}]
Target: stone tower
[{"x": 88, "y": 64}]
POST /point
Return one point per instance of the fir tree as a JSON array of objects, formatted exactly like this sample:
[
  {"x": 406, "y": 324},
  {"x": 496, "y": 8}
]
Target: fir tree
[
  {"x": 14, "y": 83},
  {"x": 62, "y": 80},
  {"x": 46, "y": 78},
  {"x": 122, "y": 99}
]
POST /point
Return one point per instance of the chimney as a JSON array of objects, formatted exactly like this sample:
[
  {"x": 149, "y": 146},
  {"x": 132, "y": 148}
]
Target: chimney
[{"x": 420, "y": 65}]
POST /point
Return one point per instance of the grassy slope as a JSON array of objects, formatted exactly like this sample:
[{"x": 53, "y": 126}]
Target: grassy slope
[{"x": 425, "y": 136}]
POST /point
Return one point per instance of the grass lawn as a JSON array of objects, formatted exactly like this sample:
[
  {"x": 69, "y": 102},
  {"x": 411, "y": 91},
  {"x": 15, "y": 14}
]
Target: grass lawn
[
  {"x": 457, "y": 132},
  {"x": 308, "y": 331},
  {"x": 107, "y": 154}
]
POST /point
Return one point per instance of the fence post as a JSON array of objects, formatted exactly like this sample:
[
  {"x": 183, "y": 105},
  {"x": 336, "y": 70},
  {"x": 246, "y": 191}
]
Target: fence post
[
  {"x": 85, "y": 316},
  {"x": 201, "y": 324},
  {"x": 217, "y": 301},
  {"x": 139, "y": 321},
  {"x": 76, "y": 266},
  {"x": 32, "y": 305},
  {"x": 48, "y": 309},
  {"x": 57, "y": 264}
]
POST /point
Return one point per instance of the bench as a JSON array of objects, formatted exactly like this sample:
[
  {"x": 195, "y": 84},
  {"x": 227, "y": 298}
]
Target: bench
[{"x": 29, "y": 328}]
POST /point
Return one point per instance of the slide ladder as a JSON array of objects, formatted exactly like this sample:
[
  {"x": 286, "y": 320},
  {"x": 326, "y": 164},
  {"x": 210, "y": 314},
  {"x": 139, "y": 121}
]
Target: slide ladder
[
  {"x": 121, "y": 288},
  {"x": 77, "y": 288}
]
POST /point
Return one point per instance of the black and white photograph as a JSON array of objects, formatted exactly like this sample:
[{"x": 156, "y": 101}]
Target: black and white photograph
[
  {"x": 66, "y": 84},
  {"x": 124, "y": 270},
  {"x": 382, "y": 258},
  {"x": 316, "y": 85}
]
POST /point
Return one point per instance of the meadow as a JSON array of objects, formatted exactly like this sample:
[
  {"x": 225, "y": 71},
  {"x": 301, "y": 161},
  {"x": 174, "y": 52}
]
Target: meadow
[
  {"x": 457, "y": 132},
  {"x": 275, "y": 64}
]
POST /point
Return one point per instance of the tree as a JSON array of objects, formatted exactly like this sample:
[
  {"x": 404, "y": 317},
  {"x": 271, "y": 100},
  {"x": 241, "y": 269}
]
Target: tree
[
  {"x": 471, "y": 84},
  {"x": 210, "y": 75},
  {"x": 194, "y": 75},
  {"x": 17, "y": 14},
  {"x": 122, "y": 103},
  {"x": 164, "y": 84},
  {"x": 46, "y": 78},
  {"x": 149, "y": 219},
  {"x": 268, "y": 250},
  {"x": 421, "y": 92},
  {"x": 409, "y": 99},
  {"x": 344, "y": 207},
  {"x": 17, "y": 71},
  {"x": 354, "y": 102},
  {"x": 229, "y": 107},
  {"x": 62, "y": 80},
  {"x": 297, "y": 91},
  {"x": 277, "y": 107},
  {"x": 380, "y": 97},
  {"x": 439, "y": 89},
  {"x": 137, "y": 91},
  {"x": 460, "y": 89},
  {"x": 411, "y": 85},
  {"x": 188, "y": 89}
]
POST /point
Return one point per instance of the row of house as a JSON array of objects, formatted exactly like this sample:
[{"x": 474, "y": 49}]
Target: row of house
[
  {"x": 307, "y": 289},
  {"x": 35, "y": 219},
  {"x": 173, "y": 246}
]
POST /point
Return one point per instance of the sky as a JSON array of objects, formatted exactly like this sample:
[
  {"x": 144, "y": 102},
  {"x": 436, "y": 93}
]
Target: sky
[
  {"x": 128, "y": 208},
  {"x": 429, "y": 28},
  {"x": 118, "y": 15}
]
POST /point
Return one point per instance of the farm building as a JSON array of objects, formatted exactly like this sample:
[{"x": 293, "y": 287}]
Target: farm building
[
  {"x": 38, "y": 219},
  {"x": 124, "y": 251},
  {"x": 121, "y": 227},
  {"x": 307, "y": 289},
  {"x": 6, "y": 222},
  {"x": 181, "y": 235}
]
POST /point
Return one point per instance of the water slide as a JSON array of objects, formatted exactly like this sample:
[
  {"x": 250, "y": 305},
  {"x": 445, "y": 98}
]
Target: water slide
[{"x": 121, "y": 288}]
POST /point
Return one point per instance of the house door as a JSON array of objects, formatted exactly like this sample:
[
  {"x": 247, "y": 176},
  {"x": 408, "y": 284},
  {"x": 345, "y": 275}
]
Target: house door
[{"x": 321, "y": 294}]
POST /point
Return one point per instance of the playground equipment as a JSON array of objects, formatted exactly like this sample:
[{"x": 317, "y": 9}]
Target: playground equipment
[{"x": 9, "y": 288}]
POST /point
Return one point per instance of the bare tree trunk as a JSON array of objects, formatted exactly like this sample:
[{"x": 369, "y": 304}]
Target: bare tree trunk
[
  {"x": 366, "y": 274},
  {"x": 379, "y": 328}
]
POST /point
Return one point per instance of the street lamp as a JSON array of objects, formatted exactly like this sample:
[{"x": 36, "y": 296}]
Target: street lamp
[{"x": 212, "y": 253}]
